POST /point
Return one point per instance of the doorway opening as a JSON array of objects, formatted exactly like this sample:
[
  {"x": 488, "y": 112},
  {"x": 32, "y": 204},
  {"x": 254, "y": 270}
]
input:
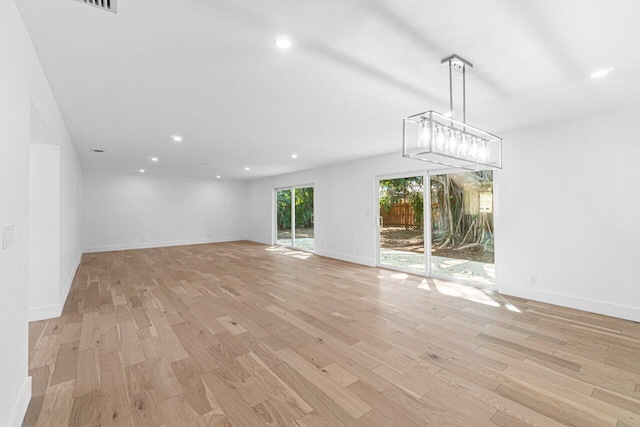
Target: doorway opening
[
  {"x": 462, "y": 231},
  {"x": 401, "y": 223},
  {"x": 452, "y": 218},
  {"x": 295, "y": 218}
]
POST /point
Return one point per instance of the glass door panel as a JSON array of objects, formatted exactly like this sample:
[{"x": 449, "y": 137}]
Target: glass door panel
[
  {"x": 402, "y": 223},
  {"x": 462, "y": 232},
  {"x": 284, "y": 232},
  {"x": 304, "y": 218}
]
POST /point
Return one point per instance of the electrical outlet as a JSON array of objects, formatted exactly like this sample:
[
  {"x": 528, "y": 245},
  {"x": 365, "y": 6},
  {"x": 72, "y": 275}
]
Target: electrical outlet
[
  {"x": 8, "y": 237},
  {"x": 533, "y": 279}
]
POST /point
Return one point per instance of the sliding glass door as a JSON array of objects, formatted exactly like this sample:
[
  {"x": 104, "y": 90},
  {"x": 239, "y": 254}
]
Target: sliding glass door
[
  {"x": 453, "y": 219},
  {"x": 462, "y": 232},
  {"x": 401, "y": 223},
  {"x": 304, "y": 219},
  {"x": 284, "y": 216},
  {"x": 295, "y": 217}
]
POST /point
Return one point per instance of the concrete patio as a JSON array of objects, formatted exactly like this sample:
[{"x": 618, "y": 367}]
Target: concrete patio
[{"x": 472, "y": 271}]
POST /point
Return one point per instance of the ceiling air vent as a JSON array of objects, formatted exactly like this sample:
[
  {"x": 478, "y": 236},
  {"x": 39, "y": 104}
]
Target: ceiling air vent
[{"x": 108, "y": 5}]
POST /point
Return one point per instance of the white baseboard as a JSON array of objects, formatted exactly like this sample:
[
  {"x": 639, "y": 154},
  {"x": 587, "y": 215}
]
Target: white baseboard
[
  {"x": 328, "y": 254},
  {"x": 72, "y": 274},
  {"x": 45, "y": 312},
  {"x": 148, "y": 245},
  {"x": 346, "y": 257},
  {"x": 600, "y": 307},
  {"x": 55, "y": 310},
  {"x": 20, "y": 410},
  {"x": 260, "y": 240}
]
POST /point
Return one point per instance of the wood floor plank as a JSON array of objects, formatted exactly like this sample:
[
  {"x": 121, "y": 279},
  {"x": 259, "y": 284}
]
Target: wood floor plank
[
  {"x": 89, "y": 331},
  {"x": 87, "y": 408},
  {"x": 242, "y": 334},
  {"x": 233, "y": 406},
  {"x": 116, "y": 409},
  {"x": 169, "y": 342},
  {"x": 57, "y": 405},
  {"x": 412, "y": 384},
  {"x": 559, "y": 411},
  {"x": 189, "y": 376},
  {"x": 532, "y": 352},
  {"x": 278, "y": 391},
  {"x": 275, "y": 413},
  {"x": 165, "y": 383},
  {"x": 66, "y": 363},
  {"x": 36, "y": 329},
  {"x": 195, "y": 342},
  {"x": 325, "y": 410},
  {"x": 351, "y": 403},
  {"x": 296, "y": 321},
  {"x": 131, "y": 348},
  {"x": 386, "y": 413},
  {"x": 88, "y": 374}
]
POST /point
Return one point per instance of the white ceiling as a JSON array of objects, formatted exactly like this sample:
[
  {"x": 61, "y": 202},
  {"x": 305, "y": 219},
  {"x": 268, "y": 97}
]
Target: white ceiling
[{"x": 208, "y": 70}]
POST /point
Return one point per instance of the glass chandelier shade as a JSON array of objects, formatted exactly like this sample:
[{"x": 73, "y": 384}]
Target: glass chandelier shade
[{"x": 435, "y": 138}]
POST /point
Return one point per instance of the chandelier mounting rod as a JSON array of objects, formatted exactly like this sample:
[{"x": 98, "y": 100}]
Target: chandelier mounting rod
[
  {"x": 460, "y": 64},
  {"x": 450, "y": 91},
  {"x": 464, "y": 94}
]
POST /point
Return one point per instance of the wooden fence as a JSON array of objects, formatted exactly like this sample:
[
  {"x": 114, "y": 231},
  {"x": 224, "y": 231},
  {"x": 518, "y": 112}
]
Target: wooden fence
[{"x": 400, "y": 215}]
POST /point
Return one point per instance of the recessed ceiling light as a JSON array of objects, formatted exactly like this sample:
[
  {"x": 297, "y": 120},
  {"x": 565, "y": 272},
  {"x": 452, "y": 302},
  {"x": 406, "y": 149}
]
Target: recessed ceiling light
[
  {"x": 141, "y": 170},
  {"x": 247, "y": 168},
  {"x": 294, "y": 156},
  {"x": 283, "y": 42},
  {"x": 176, "y": 138},
  {"x": 601, "y": 73},
  {"x": 154, "y": 159},
  {"x": 218, "y": 176}
]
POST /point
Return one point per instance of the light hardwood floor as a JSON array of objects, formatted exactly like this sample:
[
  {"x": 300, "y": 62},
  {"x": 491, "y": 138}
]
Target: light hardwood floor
[{"x": 246, "y": 335}]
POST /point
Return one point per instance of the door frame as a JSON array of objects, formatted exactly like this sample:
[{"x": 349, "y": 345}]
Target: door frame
[
  {"x": 274, "y": 213},
  {"x": 426, "y": 200},
  {"x": 426, "y": 174}
]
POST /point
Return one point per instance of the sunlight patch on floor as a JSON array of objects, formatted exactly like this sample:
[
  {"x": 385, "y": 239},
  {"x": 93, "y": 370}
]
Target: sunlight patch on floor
[
  {"x": 289, "y": 252},
  {"x": 424, "y": 285}
]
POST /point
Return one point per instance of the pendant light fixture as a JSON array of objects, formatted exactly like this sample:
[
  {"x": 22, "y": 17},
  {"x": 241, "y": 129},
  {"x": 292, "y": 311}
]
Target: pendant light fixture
[{"x": 440, "y": 139}]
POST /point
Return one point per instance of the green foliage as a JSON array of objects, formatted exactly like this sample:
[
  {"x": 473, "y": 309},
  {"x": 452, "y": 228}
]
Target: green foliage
[
  {"x": 284, "y": 209},
  {"x": 453, "y": 223},
  {"x": 417, "y": 202},
  {"x": 403, "y": 190},
  {"x": 386, "y": 204},
  {"x": 399, "y": 189},
  {"x": 303, "y": 208}
]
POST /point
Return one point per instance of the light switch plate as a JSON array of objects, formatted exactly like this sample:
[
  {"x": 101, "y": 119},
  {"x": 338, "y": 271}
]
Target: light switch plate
[{"x": 8, "y": 237}]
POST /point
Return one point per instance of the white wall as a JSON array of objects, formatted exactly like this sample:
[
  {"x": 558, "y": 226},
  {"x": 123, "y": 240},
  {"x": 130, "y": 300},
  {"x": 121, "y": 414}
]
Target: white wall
[
  {"x": 14, "y": 203},
  {"x": 128, "y": 211},
  {"x": 22, "y": 82},
  {"x": 44, "y": 230},
  {"x": 345, "y": 205},
  {"x": 54, "y": 230},
  {"x": 567, "y": 205},
  {"x": 70, "y": 217}
]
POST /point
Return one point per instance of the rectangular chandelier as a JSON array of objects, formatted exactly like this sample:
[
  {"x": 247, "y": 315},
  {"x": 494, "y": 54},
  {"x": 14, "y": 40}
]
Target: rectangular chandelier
[
  {"x": 433, "y": 137},
  {"x": 436, "y": 138}
]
